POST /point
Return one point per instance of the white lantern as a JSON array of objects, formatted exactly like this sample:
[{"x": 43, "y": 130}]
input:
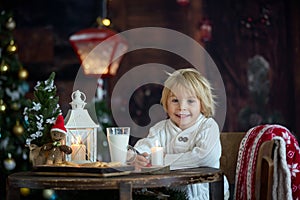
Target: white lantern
[{"x": 81, "y": 131}]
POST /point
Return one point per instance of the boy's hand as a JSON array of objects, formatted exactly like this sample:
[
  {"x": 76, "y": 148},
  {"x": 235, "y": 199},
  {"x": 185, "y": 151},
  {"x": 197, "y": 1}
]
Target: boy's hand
[{"x": 141, "y": 161}]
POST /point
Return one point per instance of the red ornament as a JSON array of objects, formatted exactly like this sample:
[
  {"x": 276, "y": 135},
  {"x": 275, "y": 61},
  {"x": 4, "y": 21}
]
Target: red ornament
[
  {"x": 183, "y": 2},
  {"x": 205, "y": 30}
]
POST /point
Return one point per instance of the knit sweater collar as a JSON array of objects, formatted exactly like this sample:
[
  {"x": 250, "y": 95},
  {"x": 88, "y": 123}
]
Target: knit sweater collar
[{"x": 173, "y": 127}]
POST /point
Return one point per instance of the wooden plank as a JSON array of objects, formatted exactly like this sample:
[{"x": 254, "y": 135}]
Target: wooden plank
[{"x": 125, "y": 191}]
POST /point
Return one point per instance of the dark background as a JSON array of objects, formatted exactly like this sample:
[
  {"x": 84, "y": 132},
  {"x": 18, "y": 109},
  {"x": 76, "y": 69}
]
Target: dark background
[{"x": 44, "y": 27}]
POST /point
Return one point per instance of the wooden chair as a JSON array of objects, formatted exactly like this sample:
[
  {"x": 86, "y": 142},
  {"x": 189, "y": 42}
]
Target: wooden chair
[
  {"x": 230, "y": 142},
  {"x": 264, "y": 171}
]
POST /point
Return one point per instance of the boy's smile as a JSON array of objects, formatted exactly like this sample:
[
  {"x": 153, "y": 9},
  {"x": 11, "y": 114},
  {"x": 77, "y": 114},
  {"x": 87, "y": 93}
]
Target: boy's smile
[
  {"x": 183, "y": 107},
  {"x": 182, "y": 115}
]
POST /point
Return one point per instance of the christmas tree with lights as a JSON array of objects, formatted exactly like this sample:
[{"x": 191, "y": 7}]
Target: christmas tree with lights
[{"x": 13, "y": 87}]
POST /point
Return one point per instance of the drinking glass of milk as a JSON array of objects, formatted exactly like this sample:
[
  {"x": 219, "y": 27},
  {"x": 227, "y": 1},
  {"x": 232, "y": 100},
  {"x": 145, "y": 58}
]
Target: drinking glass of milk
[{"x": 118, "y": 138}]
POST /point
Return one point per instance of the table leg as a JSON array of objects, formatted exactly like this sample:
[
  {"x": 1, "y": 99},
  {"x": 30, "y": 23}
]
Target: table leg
[
  {"x": 12, "y": 193},
  {"x": 216, "y": 190},
  {"x": 125, "y": 191}
]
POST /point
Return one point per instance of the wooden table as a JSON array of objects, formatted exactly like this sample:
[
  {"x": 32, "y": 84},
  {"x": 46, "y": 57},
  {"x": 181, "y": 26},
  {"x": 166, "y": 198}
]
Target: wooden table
[{"x": 124, "y": 183}]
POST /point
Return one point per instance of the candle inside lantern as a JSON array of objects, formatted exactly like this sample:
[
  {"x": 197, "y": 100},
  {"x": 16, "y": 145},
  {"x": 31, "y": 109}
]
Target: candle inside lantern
[
  {"x": 157, "y": 155},
  {"x": 78, "y": 150}
]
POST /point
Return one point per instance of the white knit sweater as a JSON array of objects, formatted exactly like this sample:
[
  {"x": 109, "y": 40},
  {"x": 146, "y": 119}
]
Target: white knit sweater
[{"x": 198, "y": 145}]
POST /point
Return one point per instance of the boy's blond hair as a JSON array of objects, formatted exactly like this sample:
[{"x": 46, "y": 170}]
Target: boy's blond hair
[{"x": 191, "y": 80}]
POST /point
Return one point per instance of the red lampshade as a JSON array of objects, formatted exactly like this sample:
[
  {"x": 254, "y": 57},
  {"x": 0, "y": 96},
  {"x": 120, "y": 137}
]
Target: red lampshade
[{"x": 100, "y": 61}]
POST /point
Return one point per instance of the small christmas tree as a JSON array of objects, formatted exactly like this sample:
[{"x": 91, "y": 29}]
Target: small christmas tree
[
  {"x": 42, "y": 112},
  {"x": 13, "y": 88}
]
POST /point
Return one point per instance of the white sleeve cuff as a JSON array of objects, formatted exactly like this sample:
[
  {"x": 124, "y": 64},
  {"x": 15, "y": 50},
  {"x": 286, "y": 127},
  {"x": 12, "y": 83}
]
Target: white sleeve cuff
[{"x": 171, "y": 158}]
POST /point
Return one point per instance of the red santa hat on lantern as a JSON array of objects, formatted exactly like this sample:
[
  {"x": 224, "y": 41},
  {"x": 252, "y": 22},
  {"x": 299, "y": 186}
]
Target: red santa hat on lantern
[{"x": 59, "y": 125}]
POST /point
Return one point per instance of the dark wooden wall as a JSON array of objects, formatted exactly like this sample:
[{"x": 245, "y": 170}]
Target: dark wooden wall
[
  {"x": 43, "y": 29},
  {"x": 294, "y": 58},
  {"x": 232, "y": 45}
]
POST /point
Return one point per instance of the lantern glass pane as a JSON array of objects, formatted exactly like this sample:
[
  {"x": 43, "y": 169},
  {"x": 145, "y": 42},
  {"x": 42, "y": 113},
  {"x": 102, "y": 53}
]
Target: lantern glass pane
[{"x": 83, "y": 144}]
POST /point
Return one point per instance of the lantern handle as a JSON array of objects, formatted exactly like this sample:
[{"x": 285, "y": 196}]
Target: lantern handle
[
  {"x": 77, "y": 100},
  {"x": 78, "y": 95}
]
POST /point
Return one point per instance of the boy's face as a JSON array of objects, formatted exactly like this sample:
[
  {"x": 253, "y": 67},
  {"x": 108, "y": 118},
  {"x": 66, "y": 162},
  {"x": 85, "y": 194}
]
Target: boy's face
[{"x": 183, "y": 108}]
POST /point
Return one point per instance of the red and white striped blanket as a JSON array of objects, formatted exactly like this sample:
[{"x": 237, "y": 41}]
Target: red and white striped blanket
[{"x": 286, "y": 177}]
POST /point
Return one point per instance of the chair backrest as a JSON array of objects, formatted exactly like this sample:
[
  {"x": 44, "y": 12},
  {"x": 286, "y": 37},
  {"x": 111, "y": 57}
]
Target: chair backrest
[
  {"x": 264, "y": 171},
  {"x": 230, "y": 142}
]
